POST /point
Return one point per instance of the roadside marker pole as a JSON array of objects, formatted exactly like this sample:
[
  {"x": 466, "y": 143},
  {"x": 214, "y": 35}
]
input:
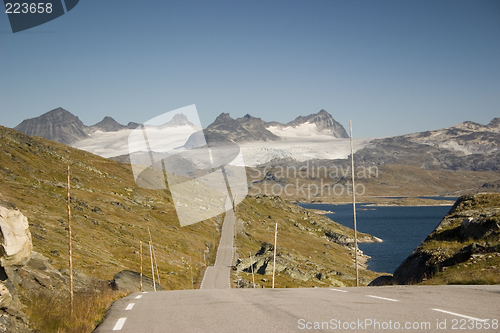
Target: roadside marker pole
[
  {"x": 191, "y": 268},
  {"x": 151, "y": 257},
  {"x": 156, "y": 263},
  {"x": 354, "y": 208},
  {"x": 251, "y": 267},
  {"x": 140, "y": 283},
  {"x": 70, "y": 247},
  {"x": 274, "y": 259}
]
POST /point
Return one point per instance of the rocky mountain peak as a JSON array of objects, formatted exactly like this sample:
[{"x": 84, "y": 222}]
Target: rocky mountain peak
[
  {"x": 494, "y": 124},
  {"x": 108, "y": 124},
  {"x": 58, "y": 125},
  {"x": 179, "y": 120},
  {"x": 324, "y": 123},
  {"x": 469, "y": 125},
  {"x": 222, "y": 118}
]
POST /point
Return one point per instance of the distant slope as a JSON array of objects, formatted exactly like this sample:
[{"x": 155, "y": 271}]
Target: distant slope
[{"x": 466, "y": 146}]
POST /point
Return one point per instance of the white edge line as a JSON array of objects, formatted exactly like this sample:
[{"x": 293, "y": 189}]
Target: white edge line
[
  {"x": 119, "y": 324},
  {"x": 459, "y": 315},
  {"x": 342, "y": 291},
  {"x": 387, "y": 299},
  {"x": 130, "y": 306}
]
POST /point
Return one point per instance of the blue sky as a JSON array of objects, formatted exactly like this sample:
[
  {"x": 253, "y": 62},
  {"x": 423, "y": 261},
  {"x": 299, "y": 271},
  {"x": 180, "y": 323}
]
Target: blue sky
[{"x": 393, "y": 67}]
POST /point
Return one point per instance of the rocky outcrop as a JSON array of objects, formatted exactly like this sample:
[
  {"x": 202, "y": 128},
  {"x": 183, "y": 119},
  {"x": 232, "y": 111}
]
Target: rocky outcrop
[
  {"x": 469, "y": 230},
  {"x": 15, "y": 252},
  {"x": 15, "y": 237},
  {"x": 23, "y": 271},
  {"x": 296, "y": 267},
  {"x": 130, "y": 281}
]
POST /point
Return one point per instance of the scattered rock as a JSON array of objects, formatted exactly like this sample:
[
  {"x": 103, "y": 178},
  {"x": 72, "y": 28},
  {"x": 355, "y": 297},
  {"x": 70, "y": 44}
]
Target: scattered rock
[{"x": 96, "y": 209}]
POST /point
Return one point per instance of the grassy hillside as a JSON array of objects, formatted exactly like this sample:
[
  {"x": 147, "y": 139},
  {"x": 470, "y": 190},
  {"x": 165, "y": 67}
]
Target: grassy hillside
[{"x": 110, "y": 214}]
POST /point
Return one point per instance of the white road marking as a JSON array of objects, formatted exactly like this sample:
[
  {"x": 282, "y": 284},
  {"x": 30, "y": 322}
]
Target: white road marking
[
  {"x": 119, "y": 324},
  {"x": 138, "y": 296},
  {"x": 386, "y": 299},
  {"x": 458, "y": 314},
  {"x": 130, "y": 306},
  {"x": 342, "y": 291}
]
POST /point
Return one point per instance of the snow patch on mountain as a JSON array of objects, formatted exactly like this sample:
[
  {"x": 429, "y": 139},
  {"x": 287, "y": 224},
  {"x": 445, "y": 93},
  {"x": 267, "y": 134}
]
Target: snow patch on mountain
[
  {"x": 299, "y": 149},
  {"x": 302, "y": 130},
  {"x": 161, "y": 139}
]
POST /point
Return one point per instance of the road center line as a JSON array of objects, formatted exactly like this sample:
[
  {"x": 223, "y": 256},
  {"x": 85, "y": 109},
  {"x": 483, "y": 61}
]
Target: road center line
[
  {"x": 119, "y": 324},
  {"x": 138, "y": 296},
  {"x": 342, "y": 291},
  {"x": 458, "y": 314},
  {"x": 130, "y": 306},
  {"x": 386, "y": 299}
]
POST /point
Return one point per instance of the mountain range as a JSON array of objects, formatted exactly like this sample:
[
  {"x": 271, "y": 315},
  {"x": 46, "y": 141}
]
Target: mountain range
[
  {"x": 62, "y": 126},
  {"x": 466, "y": 146}
]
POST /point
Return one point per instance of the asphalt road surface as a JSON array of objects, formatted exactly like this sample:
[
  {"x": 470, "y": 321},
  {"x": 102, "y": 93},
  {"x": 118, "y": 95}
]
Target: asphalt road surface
[
  {"x": 218, "y": 276},
  {"x": 364, "y": 309}
]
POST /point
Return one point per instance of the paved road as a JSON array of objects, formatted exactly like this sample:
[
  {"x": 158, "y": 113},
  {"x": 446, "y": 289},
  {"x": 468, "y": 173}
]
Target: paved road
[
  {"x": 218, "y": 276},
  {"x": 365, "y": 309}
]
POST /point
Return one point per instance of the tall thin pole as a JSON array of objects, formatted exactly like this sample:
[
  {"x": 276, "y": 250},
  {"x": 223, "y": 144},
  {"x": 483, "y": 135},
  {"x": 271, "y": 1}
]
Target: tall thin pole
[
  {"x": 70, "y": 247},
  {"x": 152, "y": 269},
  {"x": 191, "y": 268},
  {"x": 251, "y": 267},
  {"x": 140, "y": 245},
  {"x": 275, "y": 241},
  {"x": 156, "y": 263},
  {"x": 151, "y": 255},
  {"x": 354, "y": 208}
]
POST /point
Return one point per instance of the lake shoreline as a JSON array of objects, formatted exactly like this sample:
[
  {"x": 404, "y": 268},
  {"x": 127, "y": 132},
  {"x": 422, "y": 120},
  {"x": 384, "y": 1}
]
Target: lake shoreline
[
  {"x": 387, "y": 201},
  {"x": 401, "y": 228}
]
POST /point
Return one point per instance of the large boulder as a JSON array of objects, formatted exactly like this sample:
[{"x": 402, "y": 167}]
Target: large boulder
[
  {"x": 478, "y": 228},
  {"x": 15, "y": 237},
  {"x": 130, "y": 281}
]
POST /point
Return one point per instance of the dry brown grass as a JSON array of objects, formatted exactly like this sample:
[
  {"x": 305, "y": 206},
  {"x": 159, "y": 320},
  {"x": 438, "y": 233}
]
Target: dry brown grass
[{"x": 50, "y": 311}]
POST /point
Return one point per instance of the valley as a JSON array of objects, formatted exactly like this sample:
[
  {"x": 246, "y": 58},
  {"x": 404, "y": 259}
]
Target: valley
[{"x": 305, "y": 160}]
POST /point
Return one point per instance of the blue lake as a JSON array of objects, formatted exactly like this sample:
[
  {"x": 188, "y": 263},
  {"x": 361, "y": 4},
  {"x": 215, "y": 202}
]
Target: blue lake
[{"x": 402, "y": 229}]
